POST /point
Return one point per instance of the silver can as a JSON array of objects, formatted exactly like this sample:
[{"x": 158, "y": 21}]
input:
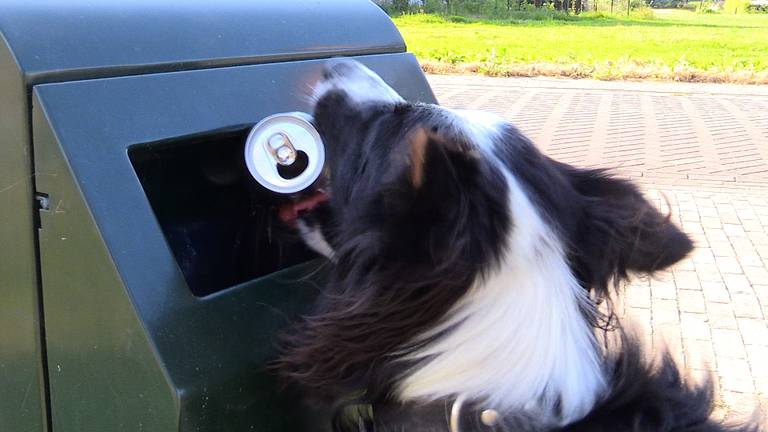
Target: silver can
[{"x": 284, "y": 152}]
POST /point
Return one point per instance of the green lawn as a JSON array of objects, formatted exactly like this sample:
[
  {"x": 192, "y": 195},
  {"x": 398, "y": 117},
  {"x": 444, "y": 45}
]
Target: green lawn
[{"x": 673, "y": 44}]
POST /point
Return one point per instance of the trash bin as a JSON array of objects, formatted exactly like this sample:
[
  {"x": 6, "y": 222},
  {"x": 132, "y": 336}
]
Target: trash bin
[{"x": 142, "y": 279}]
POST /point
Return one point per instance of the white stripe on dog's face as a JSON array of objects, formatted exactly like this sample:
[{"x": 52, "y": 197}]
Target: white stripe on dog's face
[
  {"x": 359, "y": 83},
  {"x": 314, "y": 238}
]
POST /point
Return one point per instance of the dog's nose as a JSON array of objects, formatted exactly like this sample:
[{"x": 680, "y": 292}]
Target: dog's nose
[{"x": 339, "y": 67}]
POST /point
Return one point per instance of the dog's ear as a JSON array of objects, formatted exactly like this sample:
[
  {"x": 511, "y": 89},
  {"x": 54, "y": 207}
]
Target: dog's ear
[
  {"x": 621, "y": 230},
  {"x": 419, "y": 143},
  {"x": 436, "y": 194},
  {"x": 429, "y": 150}
]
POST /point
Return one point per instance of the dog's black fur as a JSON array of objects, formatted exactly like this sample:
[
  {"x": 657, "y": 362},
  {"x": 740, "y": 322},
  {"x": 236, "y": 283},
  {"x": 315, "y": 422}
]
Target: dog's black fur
[{"x": 417, "y": 215}]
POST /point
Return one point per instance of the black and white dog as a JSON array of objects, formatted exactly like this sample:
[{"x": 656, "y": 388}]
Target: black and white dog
[{"x": 468, "y": 269}]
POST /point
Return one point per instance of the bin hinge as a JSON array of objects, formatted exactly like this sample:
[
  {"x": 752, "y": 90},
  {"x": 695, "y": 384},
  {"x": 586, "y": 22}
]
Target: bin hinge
[{"x": 42, "y": 203}]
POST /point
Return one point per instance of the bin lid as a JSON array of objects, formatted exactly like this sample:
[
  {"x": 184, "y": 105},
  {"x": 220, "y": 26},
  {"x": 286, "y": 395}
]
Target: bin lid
[{"x": 54, "y": 41}]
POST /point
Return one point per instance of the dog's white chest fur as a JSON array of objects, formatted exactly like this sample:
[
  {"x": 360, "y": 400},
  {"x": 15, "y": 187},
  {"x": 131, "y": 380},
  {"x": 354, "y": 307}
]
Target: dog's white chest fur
[{"x": 518, "y": 340}]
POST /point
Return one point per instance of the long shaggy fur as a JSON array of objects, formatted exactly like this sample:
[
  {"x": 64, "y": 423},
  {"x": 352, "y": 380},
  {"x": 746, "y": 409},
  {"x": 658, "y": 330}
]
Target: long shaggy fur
[{"x": 427, "y": 207}]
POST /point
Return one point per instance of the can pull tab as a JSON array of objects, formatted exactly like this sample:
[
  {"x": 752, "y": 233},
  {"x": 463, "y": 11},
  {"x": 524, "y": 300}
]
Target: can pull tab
[
  {"x": 284, "y": 152},
  {"x": 280, "y": 147}
]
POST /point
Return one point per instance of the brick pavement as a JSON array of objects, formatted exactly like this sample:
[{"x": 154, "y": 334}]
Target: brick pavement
[{"x": 698, "y": 150}]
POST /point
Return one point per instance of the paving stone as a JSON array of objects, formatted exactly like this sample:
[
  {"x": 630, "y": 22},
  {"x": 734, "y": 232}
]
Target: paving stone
[
  {"x": 740, "y": 405},
  {"x": 663, "y": 289},
  {"x": 753, "y": 331},
  {"x": 708, "y": 273},
  {"x": 664, "y": 312},
  {"x": 728, "y": 343},
  {"x": 750, "y": 259},
  {"x": 721, "y": 249},
  {"x": 691, "y": 215},
  {"x": 695, "y": 326},
  {"x": 733, "y": 230},
  {"x": 735, "y": 375},
  {"x": 737, "y": 284},
  {"x": 728, "y": 265},
  {"x": 690, "y": 301},
  {"x": 685, "y": 279},
  {"x": 686, "y": 265},
  {"x": 746, "y": 305},
  {"x": 756, "y": 275},
  {"x": 762, "y": 250},
  {"x": 721, "y": 316},
  {"x": 715, "y": 292},
  {"x": 712, "y": 221},
  {"x": 761, "y": 291},
  {"x": 758, "y": 364},
  {"x": 759, "y": 238},
  {"x": 742, "y": 245},
  {"x": 703, "y": 256}
]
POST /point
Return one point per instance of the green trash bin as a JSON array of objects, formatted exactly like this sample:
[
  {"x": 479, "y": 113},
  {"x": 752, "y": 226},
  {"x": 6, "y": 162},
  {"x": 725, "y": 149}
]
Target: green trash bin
[{"x": 142, "y": 280}]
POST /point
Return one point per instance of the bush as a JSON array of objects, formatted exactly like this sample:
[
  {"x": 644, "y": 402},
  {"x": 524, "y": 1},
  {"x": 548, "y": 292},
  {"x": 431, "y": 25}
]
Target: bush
[{"x": 447, "y": 56}]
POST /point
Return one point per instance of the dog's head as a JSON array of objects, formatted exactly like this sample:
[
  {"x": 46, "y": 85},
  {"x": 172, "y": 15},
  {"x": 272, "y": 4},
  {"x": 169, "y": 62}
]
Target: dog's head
[
  {"x": 402, "y": 192},
  {"x": 423, "y": 203}
]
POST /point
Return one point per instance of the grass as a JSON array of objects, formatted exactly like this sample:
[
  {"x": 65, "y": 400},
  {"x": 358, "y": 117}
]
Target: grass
[{"x": 667, "y": 44}]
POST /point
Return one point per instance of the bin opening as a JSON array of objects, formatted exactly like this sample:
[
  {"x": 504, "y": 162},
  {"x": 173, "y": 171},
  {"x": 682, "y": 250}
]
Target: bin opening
[{"x": 220, "y": 223}]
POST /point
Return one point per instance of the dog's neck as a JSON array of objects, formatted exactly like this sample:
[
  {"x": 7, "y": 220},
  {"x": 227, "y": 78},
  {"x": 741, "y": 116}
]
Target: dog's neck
[{"x": 519, "y": 340}]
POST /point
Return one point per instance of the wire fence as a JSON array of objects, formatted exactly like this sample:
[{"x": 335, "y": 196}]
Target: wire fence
[{"x": 505, "y": 8}]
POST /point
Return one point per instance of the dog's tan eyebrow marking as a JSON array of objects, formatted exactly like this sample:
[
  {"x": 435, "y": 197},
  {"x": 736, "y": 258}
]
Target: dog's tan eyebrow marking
[{"x": 417, "y": 142}]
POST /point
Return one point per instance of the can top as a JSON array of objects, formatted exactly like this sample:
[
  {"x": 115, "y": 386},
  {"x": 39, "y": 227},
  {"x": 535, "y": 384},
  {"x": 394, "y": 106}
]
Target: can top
[{"x": 278, "y": 140}]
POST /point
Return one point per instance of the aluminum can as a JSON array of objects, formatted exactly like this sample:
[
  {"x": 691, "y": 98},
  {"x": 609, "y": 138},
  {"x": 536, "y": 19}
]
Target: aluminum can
[{"x": 284, "y": 152}]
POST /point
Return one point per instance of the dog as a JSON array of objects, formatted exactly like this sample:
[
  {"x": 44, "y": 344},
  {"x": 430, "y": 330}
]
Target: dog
[{"x": 472, "y": 278}]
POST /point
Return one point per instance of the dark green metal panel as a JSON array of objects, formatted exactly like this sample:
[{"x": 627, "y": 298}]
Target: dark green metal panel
[
  {"x": 102, "y": 369},
  {"x": 78, "y": 39},
  {"x": 128, "y": 344},
  {"x": 21, "y": 389}
]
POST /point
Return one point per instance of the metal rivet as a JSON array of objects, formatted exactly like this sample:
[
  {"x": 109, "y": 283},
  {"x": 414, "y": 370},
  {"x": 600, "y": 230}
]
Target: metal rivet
[
  {"x": 489, "y": 417},
  {"x": 286, "y": 155}
]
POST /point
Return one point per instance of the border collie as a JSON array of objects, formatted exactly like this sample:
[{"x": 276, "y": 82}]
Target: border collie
[{"x": 472, "y": 278}]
